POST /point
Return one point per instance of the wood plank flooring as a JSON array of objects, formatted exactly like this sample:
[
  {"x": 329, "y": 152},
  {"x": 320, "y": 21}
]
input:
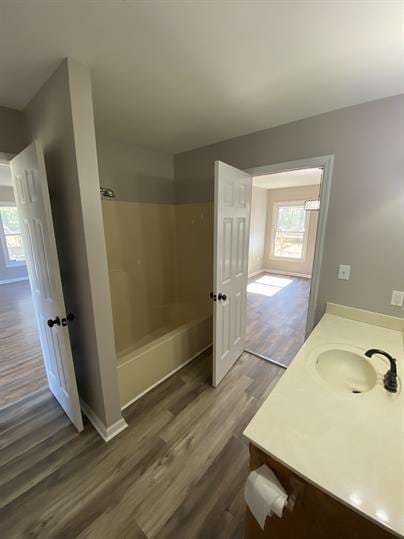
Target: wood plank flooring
[
  {"x": 21, "y": 364},
  {"x": 178, "y": 471},
  {"x": 276, "y": 323}
]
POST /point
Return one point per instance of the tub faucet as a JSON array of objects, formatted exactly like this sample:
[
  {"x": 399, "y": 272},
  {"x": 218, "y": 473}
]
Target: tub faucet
[{"x": 390, "y": 378}]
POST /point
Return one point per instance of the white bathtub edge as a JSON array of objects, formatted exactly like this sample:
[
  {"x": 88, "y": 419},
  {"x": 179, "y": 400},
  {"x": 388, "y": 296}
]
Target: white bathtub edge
[
  {"x": 127, "y": 404},
  {"x": 129, "y": 356}
]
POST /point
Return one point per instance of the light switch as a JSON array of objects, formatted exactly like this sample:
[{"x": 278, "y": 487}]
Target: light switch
[
  {"x": 343, "y": 272},
  {"x": 397, "y": 298}
]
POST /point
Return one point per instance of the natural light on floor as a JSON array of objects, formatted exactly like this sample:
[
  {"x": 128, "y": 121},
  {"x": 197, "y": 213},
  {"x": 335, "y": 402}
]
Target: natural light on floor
[{"x": 267, "y": 285}]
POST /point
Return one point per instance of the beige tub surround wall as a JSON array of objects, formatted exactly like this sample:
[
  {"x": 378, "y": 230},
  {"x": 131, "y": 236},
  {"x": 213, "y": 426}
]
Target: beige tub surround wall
[
  {"x": 302, "y": 267},
  {"x": 364, "y": 227},
  {"x": 135, "y": 174},
  {"x": 60, "y": 117},
  {"x": 194, "y": 240},
  {"x": 158, "y": 277},
  {"x": 258, "y": 227},
  {"x": 13, "y": 133},
  {"x": 140, "y": 240}
]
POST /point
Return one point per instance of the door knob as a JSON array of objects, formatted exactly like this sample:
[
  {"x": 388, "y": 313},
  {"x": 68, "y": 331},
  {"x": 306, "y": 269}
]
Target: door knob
[
  {"x": 55, "y": 322},
  {"x": 69, "y": 318},
  {"x": 221, "y": 296}
]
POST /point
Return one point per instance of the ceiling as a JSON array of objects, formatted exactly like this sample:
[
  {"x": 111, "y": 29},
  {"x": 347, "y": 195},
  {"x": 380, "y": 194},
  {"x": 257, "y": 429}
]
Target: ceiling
[
  {"x": 5, "y": 175},
  {"x": 293, "y": 178},
  {"x": 174, "y": 75}
]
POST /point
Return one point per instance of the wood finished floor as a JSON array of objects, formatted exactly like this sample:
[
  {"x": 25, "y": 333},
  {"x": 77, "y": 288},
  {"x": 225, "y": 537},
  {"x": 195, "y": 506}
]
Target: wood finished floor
[
  {"x": 276, "y": 324},
  {"x": 21, "y": 364},
  {"x": 178, "y": 471}
]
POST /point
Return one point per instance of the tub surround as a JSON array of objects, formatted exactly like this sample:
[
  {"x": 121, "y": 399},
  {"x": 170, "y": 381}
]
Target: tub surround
[
  {"x": 160, "y": 281},
  {"x": 347, "y": 445}
]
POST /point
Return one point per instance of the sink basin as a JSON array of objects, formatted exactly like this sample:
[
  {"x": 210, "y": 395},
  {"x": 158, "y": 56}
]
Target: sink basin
[{"x": 346, "y": 371}]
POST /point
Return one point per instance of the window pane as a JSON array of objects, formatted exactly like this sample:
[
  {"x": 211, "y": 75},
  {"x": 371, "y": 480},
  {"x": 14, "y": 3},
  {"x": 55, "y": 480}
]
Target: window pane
[
  {"x": 288, "y": 244},
  {"x": 15, "y": 248},
  {"x": 291, "y": 218},
  {"x": 9, "y": 218}
]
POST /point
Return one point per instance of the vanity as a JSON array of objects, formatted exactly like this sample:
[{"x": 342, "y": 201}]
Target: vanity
[{"x": 334, "y": 435}]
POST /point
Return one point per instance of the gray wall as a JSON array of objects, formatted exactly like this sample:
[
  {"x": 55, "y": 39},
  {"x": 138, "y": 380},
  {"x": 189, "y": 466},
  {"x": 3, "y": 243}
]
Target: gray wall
[
  {"x": 13, "y": 135},
  {"x": 365, "y": 224},
  {"x": 60, "y": 116},
  {"x": 16, "y": 272},
  {"x": 136, "y": 174}
]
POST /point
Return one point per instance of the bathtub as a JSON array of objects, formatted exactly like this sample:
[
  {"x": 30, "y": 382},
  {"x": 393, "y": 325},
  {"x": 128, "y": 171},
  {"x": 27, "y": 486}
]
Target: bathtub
[{"x": 186, "y": 333}]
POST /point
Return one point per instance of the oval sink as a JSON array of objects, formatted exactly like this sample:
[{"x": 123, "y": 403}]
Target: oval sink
[{"x": 346, "y": 371}]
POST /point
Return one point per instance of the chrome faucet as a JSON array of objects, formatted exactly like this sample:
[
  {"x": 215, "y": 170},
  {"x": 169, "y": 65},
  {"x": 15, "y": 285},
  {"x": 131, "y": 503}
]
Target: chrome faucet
[{"x": 390, "y": 378}]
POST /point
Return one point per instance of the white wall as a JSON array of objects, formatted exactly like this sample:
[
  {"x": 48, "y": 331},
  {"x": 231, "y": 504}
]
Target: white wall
[{"x": 258, "y": 225}]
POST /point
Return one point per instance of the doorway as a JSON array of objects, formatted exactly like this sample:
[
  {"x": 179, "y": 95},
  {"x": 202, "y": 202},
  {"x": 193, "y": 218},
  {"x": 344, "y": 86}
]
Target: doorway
[
  {"x": 240, "y": 270},
  {"x": 22, "y": 371},
  {"x": 283, "y": 230},
  {"x": 29, "y": 246}
]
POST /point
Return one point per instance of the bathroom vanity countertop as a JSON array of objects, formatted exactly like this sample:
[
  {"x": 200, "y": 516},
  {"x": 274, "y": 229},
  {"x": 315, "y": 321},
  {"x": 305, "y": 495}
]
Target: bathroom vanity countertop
[{"x": 348, "y": 445}]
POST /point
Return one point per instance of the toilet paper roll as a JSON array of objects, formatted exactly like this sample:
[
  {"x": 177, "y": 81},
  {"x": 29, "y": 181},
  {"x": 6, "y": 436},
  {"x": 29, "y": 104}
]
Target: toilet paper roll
[{"x": 264, "y": 494}]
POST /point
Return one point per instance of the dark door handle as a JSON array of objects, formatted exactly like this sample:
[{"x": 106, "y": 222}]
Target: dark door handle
[
  {"x": 69, "y": 318},
  {"x": 55, "y": 322},
  {"x": 212, "y": 296},
  {"x": 221, "y": 296}
]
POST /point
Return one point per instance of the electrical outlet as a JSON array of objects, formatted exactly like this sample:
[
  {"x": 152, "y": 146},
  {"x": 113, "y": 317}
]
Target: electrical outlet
[
  {"x": 397, "y": 298},
  {"x": 343, "y": 272}
]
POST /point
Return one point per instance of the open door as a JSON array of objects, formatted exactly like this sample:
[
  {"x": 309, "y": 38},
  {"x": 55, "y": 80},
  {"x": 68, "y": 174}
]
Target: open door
[
  {"x": 230, "y": 266},
  {"x": 32, "y": 199}
]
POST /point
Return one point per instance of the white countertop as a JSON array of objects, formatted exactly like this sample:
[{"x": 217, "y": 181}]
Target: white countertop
[{"x": 349, "y": 445}]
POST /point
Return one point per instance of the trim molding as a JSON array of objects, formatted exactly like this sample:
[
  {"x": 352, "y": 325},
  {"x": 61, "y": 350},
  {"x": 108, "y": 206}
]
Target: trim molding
[
  {"x": 273, "y": 361},
  {"x": 292, "y": 273},
  {"x": 124, "y": 406},
  {"x": 16, "y": 280},
  {"x": 256, "y": 273},
  {"x": 106, "y": 433}
]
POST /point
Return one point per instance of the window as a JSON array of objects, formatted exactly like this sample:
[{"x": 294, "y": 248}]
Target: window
[
  {"x": 11, "y": 238},
  {"x": 290, "y": 224}
]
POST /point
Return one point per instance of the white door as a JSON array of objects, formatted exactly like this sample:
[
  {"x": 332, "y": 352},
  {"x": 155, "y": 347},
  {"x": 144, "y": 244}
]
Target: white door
[
  {"x": 230, "y": 266},
  {"x": 32, "y": 198}
]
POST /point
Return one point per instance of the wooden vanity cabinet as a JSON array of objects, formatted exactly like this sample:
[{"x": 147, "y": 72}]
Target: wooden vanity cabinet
[{"x": 316, "y": 515}]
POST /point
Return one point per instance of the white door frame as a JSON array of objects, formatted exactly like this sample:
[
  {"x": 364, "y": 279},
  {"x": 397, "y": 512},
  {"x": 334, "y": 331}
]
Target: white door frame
[{"x": 326, "y": 162}]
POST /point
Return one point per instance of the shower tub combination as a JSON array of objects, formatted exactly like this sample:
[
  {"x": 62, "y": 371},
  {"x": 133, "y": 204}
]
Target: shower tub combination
[{"x": 183, "y": 335}]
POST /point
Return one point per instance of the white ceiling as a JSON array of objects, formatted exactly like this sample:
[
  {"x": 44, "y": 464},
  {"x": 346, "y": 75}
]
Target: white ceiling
[
  {"x": 293, "y": 178},
  {"x": 5, "y": 175},
  {"x": 176, "y": 74}
]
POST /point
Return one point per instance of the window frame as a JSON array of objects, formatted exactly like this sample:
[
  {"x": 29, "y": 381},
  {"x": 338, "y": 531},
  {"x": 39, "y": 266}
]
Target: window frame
[
  {"x": 8, "y": 262},
  {"x": 275, "y": 211}
]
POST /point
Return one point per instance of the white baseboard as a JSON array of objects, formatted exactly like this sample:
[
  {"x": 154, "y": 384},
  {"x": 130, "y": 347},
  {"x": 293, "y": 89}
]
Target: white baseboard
[
  {"x": 254, "y": 273},
  {"x": 16, "y": 280},
  {"x": 165, "y": 377},
  {"x": 291, "y": 273},
  {"x": 106, "y": 433}
]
